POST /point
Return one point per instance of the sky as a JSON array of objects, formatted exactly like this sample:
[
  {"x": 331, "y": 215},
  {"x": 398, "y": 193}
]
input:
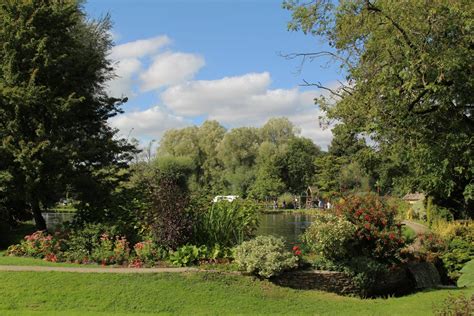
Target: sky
[{"x": 183, "y": 62}]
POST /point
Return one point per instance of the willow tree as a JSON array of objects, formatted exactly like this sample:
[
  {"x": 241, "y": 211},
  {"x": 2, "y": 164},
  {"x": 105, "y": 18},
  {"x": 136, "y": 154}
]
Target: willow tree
[
  {"x": 54, "y": 108},
  {"x": 409, "y": 67}
]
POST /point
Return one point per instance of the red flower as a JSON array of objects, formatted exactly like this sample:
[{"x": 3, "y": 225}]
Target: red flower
[
  {"x": 295, "y": 248},
  {"x": 298, "y": 253}
]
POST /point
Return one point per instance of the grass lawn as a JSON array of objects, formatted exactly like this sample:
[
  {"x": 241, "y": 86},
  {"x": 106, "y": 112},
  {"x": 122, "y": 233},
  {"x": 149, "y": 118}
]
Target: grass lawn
[
  {"x": 25, "y": 261},
  {"x": 60, "y": 293}
]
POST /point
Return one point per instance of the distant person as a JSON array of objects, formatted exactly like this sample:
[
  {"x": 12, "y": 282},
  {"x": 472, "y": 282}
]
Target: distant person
[
  {"x": 283, "y": 205},
  {"x": 275, "y": 204},
  {"x": 328, "y": 205},
  {"x": 320, "y": 203}
]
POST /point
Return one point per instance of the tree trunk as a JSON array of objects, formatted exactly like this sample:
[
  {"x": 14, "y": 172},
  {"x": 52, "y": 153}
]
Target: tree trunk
[{"x": 39, "y": 220}]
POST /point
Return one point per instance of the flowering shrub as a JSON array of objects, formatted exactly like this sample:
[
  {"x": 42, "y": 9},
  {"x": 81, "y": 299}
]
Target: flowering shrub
[
  {"x": 111, "y": 250},
  {"x": 377, "y": 234},
  {"x": 38, "y": 245},
  {"x": 330, "y": 236},
  {"x": 147, "y": 252},
  {"x": 265, "y": 256}
]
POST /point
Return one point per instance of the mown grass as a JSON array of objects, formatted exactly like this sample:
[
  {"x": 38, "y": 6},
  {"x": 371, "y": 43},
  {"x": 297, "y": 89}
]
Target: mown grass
[
  {"x": 25, "y": 261},
  {"x": 60, "y": 293}
]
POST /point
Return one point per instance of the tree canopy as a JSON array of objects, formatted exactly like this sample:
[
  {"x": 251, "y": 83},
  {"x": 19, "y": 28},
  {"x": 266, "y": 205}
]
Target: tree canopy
[
  {"x": 408, "y": 86},
  {"x": 54, "y": 108}
]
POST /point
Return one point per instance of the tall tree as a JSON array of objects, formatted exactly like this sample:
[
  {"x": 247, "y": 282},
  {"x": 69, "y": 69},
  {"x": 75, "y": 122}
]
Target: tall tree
[
  {"x": 409, "y": 84},
  {"x": 53, "y": 107}
]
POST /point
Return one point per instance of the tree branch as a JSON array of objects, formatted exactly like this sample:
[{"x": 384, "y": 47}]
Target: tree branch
[{"x": 320, "y": 86}]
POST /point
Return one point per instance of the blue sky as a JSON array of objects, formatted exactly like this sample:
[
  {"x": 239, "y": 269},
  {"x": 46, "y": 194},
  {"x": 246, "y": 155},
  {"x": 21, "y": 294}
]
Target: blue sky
[{"x": 181, "y": 62}]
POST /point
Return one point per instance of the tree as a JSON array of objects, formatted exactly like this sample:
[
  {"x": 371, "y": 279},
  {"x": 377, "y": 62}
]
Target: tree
[
  {"x": 237, "y": 153},
  {"x": 278, "y": 131},
  {"x": 298, "y": 170},
  {"x": 269, "y": 165},
  {"x": 54, "y": 109},
  {"x": 409, "y": 79}
]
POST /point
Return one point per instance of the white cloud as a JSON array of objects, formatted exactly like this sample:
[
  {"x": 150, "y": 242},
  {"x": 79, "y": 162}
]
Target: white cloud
[
  {"x": 124, "y": 81},
  {"x": 140, "y": 48},
  {"x": 170, "y": 69},
  {"x": 309, "y": 123},
  {"x": 247, "y": 100},
  {"x": 147, "y": 124}
]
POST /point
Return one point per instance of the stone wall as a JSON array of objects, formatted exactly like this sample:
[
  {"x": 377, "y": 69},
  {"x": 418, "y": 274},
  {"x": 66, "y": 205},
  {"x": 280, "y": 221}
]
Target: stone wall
[
  {"x": 397, "y": 282},
  {"x": 329, "y": 281}
]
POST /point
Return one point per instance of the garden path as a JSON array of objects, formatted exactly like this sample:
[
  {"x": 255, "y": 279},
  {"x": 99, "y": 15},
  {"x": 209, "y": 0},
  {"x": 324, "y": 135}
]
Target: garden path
[{"x": 418, "y": 228}]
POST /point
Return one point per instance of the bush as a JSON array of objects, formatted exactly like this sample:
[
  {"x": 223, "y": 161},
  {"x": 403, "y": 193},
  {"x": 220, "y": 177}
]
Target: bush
[
  {"x": 82, "y": 241},
  {"x": 147, "y": 253},
  {"x": 330, "y": 236},
  {"x": 377, "y": 234},
  {"x": 265, "y": 256},
  {"x": 289, "y": 200},
  {"x": 110, "y": 250},
  {"x": 458, "y": 242},
  {"x": 189, "y": 255},
  {"x": 38, "y": 245},
  {"x": 167, "y": 216},
  {"x": 226, "y": 223}
]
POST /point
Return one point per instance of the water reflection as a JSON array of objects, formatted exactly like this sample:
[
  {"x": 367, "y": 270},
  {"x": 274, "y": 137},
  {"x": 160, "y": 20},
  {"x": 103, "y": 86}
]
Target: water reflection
[
  {"x": 288, "y": 225},
  {"x": 54, "y": 220}
]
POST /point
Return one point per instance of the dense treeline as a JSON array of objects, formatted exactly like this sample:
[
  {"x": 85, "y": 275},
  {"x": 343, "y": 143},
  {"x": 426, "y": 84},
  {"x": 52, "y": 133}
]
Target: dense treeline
[{"x": 246, "y": 161}]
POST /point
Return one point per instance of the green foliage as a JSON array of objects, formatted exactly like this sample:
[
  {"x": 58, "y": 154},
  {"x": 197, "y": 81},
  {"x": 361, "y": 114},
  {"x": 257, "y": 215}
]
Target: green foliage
[
  {"x": 110, "y": 250},
  {"x": 409, "y": 77},
  {"x": 188, "y": 255},
  {"x": 54, "y": 109},
  {"x": 82, "y": 241},
  {"x": 265, "y": 256},
  {"x": 378, "y": 234},
  {"x": 288, "y": 198},
  {"x": 226, "y": 223},
  {"x": 37, "y": 245},
  {"x": 467, "y": 275},
  {"x": 330, "y": 236},
  {"x": 148, "y": 252}
]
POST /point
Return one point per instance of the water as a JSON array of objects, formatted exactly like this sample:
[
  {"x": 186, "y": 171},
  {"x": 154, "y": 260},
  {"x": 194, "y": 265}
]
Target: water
[
  {"x": 288, "y": 225},
  {"x": 54, "y": 220}
]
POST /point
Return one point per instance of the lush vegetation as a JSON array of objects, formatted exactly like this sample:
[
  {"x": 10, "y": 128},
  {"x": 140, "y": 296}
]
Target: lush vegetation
[
  {"x": 407, "y": 88},
  {"x": 404, "y": 124}
]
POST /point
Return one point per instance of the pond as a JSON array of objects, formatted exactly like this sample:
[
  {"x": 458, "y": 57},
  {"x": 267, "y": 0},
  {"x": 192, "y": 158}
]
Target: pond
[
  {"x": 53, "y": 220},
  {"x": 288, "y": 225}
]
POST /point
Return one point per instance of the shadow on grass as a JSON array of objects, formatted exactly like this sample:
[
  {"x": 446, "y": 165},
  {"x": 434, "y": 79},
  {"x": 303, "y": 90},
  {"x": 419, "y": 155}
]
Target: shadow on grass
[{"x": 13, "y": 235}]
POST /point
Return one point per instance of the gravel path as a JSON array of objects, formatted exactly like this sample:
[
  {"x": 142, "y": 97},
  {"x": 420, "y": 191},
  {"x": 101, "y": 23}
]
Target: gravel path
[
  {"x": 418, "y": 228},
  {"x": 97, "y": 270}
]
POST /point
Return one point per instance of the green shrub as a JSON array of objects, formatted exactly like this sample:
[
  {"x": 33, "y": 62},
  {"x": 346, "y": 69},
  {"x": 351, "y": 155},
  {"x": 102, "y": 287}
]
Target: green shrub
[
  {"x": 378, "y": 234},
  {"x": 467, "y": 275},
  {"x": 289, "y": 200},
  {"x": 265, "y": 256},
  {"x": 110, "y": 250},
  {"x": 226, "y": 223},
  {"x": 147, "y": 253},
  {"x": 38, "y": 245},
  {"x": 458, "y": 254},
  {"x": 188, "y": 255},
  {"x": 81, "y": 241},
  {"x": 330, "y": 236}
]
